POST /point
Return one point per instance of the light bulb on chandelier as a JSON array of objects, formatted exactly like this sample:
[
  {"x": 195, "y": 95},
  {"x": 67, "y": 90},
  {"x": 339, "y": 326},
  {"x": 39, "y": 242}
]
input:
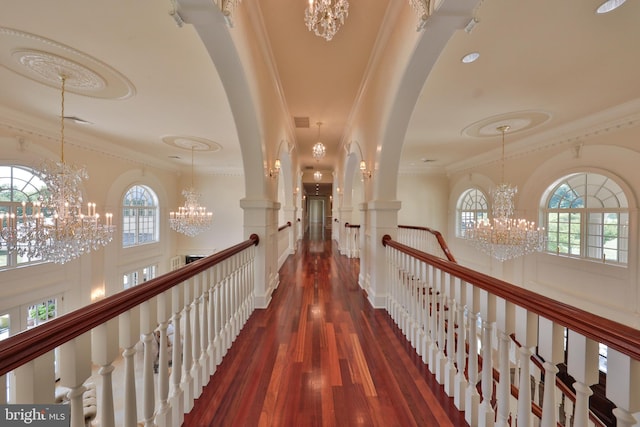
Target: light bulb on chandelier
[
  {"x": 325, "y": 17},
  {"x": 318, "y": 149},
  {"x": 55, "y": 228},
  {"x": 504, "y": 237},
  {"x": 191, "y": 219}
]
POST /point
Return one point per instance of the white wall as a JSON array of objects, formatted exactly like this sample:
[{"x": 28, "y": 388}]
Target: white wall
[
  {"x": 424, "y": 200},
  {"x": 608, "y": 290}
]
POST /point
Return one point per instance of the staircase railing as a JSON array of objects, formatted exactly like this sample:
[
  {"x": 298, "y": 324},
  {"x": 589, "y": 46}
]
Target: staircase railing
[
  {"x": 426, "y": 240},
  {"x": 205, "y": 303},
  {"x": 428, "y": 293}
]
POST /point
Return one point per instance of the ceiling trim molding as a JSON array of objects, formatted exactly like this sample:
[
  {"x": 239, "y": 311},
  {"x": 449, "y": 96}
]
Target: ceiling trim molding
[{"x": 577, "y": 132}]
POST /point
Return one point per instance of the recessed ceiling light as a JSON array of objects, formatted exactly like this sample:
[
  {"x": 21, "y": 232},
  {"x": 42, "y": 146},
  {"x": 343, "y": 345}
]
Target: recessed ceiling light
[
  {"x": 609, "y": 5},
  {"x": 470, "y": 57}
]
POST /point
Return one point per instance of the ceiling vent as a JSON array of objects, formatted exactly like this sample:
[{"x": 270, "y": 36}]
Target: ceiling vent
[{"x": 301, "y": 122}]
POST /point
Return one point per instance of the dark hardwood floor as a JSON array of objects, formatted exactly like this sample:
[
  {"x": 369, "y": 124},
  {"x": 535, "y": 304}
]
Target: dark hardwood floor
[{"x": 320, "y": 355}]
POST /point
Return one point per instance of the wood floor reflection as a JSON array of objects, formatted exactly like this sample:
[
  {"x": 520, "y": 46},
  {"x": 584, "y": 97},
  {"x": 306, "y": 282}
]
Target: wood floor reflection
[{"x": 320, "y": 355}]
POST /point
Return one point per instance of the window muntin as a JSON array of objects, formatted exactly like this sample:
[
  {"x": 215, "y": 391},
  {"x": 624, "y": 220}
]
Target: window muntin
[
  {"x": 587, "y": 217},
  {"x": 472, "y": 207},
  {"x": 40, "y": 313},
  {"x": 134, "y": 278},
  {"x": 139, "y": 216},
  {"x": 18, "y": 184}
]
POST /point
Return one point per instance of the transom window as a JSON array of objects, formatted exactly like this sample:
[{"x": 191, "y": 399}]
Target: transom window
[
  {"x": 587, "y": 216},
  {"x": 18, "y": 184},
  {"x": 139, "y": 216},
  {"x": 472, "y": 207}
]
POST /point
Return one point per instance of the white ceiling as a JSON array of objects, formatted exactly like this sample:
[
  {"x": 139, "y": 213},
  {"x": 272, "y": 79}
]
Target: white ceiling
[{"x": 543, "y": 61}]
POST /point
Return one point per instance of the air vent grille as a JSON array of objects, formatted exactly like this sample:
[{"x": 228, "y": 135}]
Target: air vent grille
[{"x": 301, "y": 122}]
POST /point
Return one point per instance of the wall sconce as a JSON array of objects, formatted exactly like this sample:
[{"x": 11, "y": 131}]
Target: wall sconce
[
  {"x": 97, "y": 294},
  {"x": 273, "y": 173},
  {"x": 366, "y": 173}
]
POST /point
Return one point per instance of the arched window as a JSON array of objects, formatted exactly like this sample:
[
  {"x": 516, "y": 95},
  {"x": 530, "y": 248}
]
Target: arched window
[
  {"x": 18, "y": 184},
  {"x": 472, "y": 206},
  {"x": 587, "y": 216},
  {"x": 139, "y": 216}
]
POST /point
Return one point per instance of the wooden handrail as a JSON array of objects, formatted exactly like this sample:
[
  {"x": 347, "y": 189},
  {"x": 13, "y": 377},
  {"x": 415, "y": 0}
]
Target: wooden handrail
[
  {"x": 25, "y": 346},
  {"x": 613, "y": 334},
  {"x": 438, "y": 236},
  {"x": 282, "y": 227},
  {"x": 347, "y": 225}
]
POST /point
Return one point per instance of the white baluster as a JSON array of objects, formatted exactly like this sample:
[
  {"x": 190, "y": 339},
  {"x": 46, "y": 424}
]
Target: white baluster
[
  {"x": 204, "y": 329},
  {"x": 196, "y": 319},
  {"x": 527, "y": 336},
  {"x": 441, "y": 359},
  {"x": 472, "y": 402},
  {"x": 75, "y": 368},
  {"x": 488, "y": 313},
  {"x": 623, "y": 386},
  {"x": 505, "y": 326},
  {"x": 35, "y": 380},
  {"x": 176, "y": 393},
  {"x": 582, "y": 365},
  {"x": 187, "y": 349},
  {"x": 104, "y": 348},
  {"x": 129, "y": 325},
  {"x": 163, "y": 416},
  {"x": 211, "y": 321},
  {"x": 461, "y": 384},
  {"x": 450, "y": 366},
  {"x": 551, "y": 349},
  {"x": 148, "y": 319}
]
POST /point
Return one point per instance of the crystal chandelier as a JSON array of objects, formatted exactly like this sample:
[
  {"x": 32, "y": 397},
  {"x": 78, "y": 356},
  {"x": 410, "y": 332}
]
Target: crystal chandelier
[
  {"x": 191, "y": 219},
  {"x": 317, "y": 176},
  {"x": 318, "y": 149},
  {"x": 504, "y": 237},
  {"x": 325, "y": 17},
  {"x": 55, "y": 228}
]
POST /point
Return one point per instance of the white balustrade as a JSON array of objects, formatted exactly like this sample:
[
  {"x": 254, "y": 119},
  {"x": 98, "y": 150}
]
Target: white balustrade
[
  {"x": 171, "y": 344},
  {"x": 468, "y": 336}
]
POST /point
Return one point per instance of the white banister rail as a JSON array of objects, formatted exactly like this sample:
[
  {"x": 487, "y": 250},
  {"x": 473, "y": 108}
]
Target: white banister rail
[
  {"x": 285, "y": 242},
  {"x": 205, "y": 305},
  {"x": 438, "y": 303}
]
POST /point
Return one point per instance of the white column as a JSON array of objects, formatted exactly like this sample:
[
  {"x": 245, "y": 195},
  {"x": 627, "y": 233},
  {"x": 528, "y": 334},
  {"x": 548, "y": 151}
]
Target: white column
[
  {"x": 582, "y": 365},
  {"x": 129, "y": 325},
  {"x": 383, "y": 217},
  {"x": 261, "y": 218},
  {"x": 551, "y": 349},
  {"x": 104, "y": 348}
]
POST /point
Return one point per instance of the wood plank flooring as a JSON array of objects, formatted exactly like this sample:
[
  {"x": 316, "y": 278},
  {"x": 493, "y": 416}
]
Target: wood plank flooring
[{"x": 320, "y": 355}]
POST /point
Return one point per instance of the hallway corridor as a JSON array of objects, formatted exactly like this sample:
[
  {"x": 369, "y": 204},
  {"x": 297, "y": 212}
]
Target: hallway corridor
[{"x": 320, "y": 355}]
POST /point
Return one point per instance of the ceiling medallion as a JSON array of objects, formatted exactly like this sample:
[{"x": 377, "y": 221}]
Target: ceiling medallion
[
  {"x": 44, "y": 60},
  {"x": 517, "y": 121}
]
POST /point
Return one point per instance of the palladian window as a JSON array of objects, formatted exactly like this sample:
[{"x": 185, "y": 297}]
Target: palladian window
[
  {"x": 587, "y": 216},
  {"x": 472, "y": 207},
  {"x": 139, "y": 216}
]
